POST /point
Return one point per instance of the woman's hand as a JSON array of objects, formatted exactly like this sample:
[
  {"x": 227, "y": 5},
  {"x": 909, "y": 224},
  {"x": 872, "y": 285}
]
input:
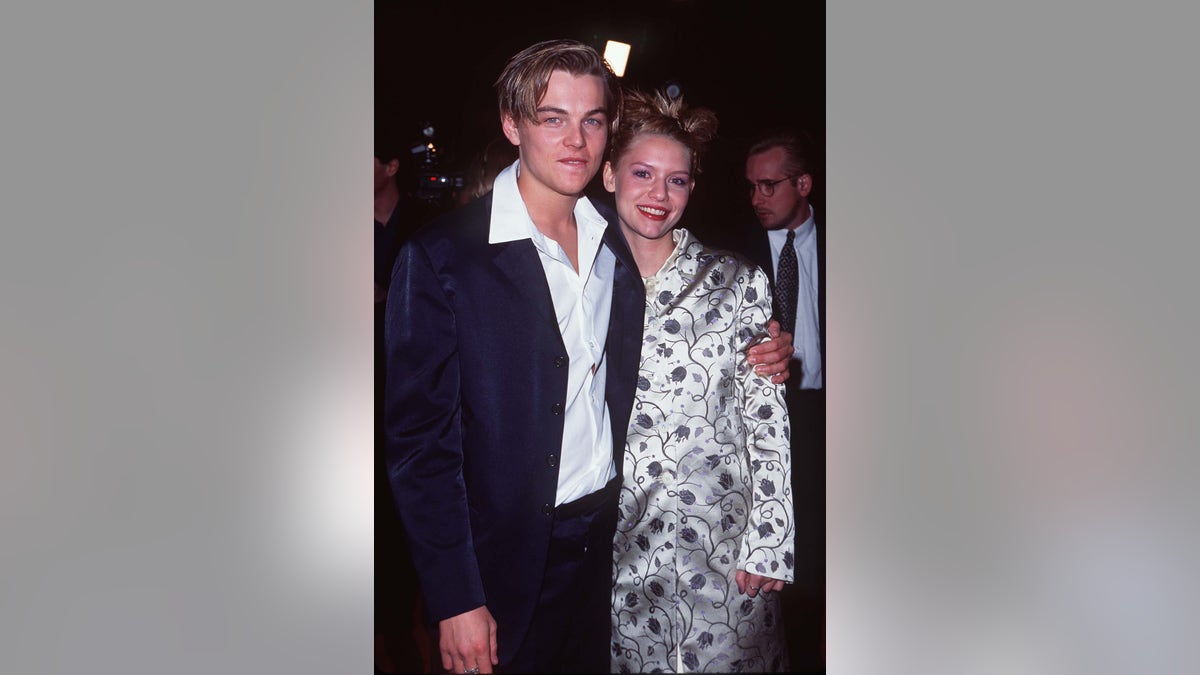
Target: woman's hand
[{"x": 753, "y": 584}]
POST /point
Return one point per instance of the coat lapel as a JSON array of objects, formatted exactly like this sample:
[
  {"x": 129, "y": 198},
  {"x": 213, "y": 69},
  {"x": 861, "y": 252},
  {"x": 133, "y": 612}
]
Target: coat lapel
[
  {"x": 518, "y": 263},
  {"x": 624, "y": 342}
]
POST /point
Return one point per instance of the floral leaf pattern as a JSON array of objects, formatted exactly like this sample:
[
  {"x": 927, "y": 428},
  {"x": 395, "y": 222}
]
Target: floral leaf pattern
[{"x": 706, "y": 449}]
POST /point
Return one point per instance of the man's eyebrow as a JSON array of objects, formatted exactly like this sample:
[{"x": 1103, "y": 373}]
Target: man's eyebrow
[{"x": 561, "y": 111}]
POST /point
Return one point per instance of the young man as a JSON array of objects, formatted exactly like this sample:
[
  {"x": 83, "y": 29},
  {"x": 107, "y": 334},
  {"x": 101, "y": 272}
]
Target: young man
[{"x": 514, "y": 328}]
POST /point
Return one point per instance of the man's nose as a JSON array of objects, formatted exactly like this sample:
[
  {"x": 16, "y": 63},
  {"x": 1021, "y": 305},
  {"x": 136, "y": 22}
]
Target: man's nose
[{"x": 574, "y": 137}]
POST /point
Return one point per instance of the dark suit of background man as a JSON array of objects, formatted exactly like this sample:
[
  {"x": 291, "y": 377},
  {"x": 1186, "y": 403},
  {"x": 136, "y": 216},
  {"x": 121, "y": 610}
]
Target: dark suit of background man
[{"x": 781, "y": 182}]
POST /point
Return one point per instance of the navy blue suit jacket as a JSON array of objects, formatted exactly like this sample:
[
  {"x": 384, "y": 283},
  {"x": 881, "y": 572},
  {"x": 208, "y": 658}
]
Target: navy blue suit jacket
[{"x": 477, "y": 382}]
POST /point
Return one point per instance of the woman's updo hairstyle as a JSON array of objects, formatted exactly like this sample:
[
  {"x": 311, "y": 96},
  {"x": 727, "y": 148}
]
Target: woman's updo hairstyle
[{"x": 657, "y": 113}]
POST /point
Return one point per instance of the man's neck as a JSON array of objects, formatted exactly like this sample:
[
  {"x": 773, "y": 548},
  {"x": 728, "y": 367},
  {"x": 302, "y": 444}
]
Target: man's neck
[
  {"x": 650, "y": 254},
  {"x": 800, "y": 219},
  {"x": 385, "y": 202},
  {"x": 552, "y": 213}
]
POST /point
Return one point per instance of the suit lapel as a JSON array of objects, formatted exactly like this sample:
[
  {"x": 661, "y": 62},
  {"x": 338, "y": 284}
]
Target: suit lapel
[
  {"x": 624, "y": 343},
  {"x": 518, "y": 263},
  {"x": 760, "y": 252}
]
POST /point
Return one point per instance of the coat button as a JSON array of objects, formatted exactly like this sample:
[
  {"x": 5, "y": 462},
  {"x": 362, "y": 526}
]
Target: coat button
[
  {"x": 547, "y": 509},
  {"x": 556, "y": 408},
  {"x": 552, "y": 460},
  {"x": 560, "y": 361}
]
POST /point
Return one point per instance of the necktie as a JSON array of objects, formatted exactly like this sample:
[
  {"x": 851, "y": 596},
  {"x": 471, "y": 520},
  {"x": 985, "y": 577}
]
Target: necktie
[{"x": 787, "y": 284}]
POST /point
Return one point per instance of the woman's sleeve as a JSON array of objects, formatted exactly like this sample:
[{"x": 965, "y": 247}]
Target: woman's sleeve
[{"x": 768, "y": 546}]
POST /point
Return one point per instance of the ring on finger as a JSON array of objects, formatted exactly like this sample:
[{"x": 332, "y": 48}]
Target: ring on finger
[{"x": 471, "y": 671}]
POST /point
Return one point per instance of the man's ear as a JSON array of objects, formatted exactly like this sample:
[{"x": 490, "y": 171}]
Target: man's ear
[
  {"x": 392, "y": 166},
  {"x": 509, "y": 125},
  {"x": 610, "y": 179},
  {"x": 804, "y": 184}
]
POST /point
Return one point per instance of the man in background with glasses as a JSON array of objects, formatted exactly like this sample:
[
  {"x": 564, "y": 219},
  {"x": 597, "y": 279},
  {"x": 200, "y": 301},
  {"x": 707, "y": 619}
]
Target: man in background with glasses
[{"x": 790, "y": 245}]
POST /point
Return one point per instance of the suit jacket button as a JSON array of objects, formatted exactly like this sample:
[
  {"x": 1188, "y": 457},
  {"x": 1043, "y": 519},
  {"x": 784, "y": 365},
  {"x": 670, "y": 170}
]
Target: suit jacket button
[
  {"x": 560, "y": 361},
  {"x": 556, "y": 408},
  {"x": 552, "y": 460},
  {"x": 547, "y": 509}
]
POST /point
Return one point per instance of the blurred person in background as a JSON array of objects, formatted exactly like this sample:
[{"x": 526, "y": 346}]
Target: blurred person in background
[
  {"x": 484, "y": 166},
  {"x": 401, "y": 644}
]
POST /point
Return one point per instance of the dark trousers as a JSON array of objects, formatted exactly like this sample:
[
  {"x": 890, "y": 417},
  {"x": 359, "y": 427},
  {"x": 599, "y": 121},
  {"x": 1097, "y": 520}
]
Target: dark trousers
[
  {"x": 571, "y": 627},
  {"x": 803, "y": 601}
]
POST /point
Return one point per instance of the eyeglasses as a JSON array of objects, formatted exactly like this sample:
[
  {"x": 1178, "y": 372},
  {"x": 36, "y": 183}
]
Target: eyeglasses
[{"x": 766, "y": 187}]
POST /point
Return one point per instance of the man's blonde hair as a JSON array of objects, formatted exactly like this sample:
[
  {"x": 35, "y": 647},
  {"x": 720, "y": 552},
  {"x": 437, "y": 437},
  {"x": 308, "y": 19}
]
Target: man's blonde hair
[{"x": 525, "y": 77}]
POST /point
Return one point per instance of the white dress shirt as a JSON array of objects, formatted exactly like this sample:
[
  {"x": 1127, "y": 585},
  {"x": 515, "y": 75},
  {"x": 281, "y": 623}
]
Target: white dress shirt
[
  {"x": 582, "y": 304},
  {"x": 807, "y": 338}
]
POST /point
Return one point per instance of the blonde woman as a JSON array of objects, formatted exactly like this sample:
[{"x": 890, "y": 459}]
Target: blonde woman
[{"x": 705, "y": 529}]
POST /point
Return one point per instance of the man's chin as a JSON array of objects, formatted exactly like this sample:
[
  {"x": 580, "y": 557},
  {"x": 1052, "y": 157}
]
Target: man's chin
[{"x": 571, "y": 189}]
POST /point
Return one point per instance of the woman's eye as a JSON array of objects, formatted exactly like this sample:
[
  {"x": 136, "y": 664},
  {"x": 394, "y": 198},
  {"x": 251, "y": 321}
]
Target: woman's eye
[
  {"x": 678, "y": 181},
  {"x": 641, "y": 173}
]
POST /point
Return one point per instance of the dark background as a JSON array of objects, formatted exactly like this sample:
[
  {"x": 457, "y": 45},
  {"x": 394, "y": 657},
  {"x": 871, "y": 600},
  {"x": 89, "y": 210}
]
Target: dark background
[{"x": 755, "y": 64}]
